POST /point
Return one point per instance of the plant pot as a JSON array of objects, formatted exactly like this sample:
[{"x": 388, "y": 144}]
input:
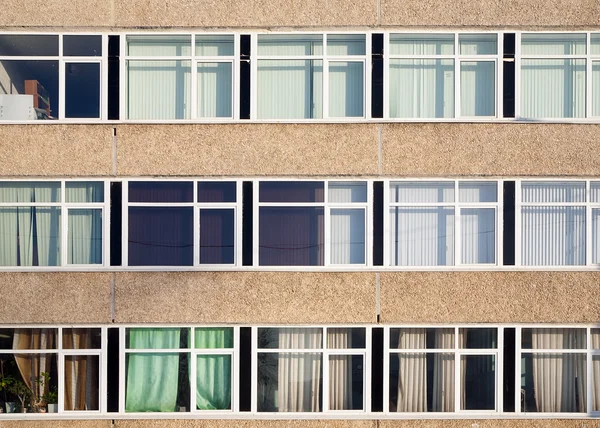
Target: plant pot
[
  {"x": 53, "y": 408},
  {"x": 11, "y": 407}
]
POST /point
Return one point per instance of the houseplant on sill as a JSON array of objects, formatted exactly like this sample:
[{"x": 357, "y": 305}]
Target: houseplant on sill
[
  {"x": 22, "y": 392},
  {"x": 5, "y": 384}
]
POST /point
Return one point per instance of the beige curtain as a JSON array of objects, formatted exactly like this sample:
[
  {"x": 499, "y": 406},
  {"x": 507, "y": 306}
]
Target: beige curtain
[
  {"x": 595, "y": 371},
  {"x": 299, "y": 374},
  {"x": 81, "y": 372},
  {"x": 558, "y": 379},
  {"x": 443, "y": 373},
  {"x": 412, "y": 377},
  {"x": 31, "y": 366},
  {"x": 340, "y": 370}
]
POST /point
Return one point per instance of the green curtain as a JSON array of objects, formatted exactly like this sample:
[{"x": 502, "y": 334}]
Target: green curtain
[
  {"x": 152, "y": 378},
  {"x": 213, "y": 372}
]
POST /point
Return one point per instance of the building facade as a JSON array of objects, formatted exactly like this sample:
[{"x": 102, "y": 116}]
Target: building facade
[{"x": 334, "y": 213}]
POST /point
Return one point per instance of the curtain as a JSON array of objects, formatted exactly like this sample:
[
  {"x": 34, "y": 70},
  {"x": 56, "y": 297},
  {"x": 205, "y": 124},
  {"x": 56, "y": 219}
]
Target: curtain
[
  {"x": 477, "y": 88},
  {"x": 559, "y": 380},
  {"x": 299, "y": 374},
  {"x": 31, "y": 366},
  {"x": 152, "y": 378},
  {"x": 214, "y": 89},
  {"x": 412, "y": 381},
  {"x": 443, "y": 373},
  {"x": 478, "y": 235},
  {"x": 347, "y": 236},
  {"x": 595, "y": 88},
  {"x": 213, "y": 372},
  {"x": 81, "y": 372},
  {"x": 340, "y": 370},
  {"x": 85, "y": 236},
  {"x": 595, "y": 371},
  {"x": 346, "y": 89}
]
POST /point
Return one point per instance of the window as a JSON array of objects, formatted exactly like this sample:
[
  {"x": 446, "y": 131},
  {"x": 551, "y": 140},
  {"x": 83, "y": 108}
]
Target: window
[
  {"x": 39, "y": 375},
  {"x": 52, "y": 223},
  {"x": 182, "y": 223},
  {"x": 310, "y": 76},
  {"x": 50, "y": 76},
  {"x": 172, "y": 77},
  {"x": 311, "y": 369},
  {"x": 442, "y": 75},
  {"x": 178, "y": 369},
  {"x": 423, "y": 364},
  {"x": 443, "y": 223},
  {"x": 312, "y": 223}
]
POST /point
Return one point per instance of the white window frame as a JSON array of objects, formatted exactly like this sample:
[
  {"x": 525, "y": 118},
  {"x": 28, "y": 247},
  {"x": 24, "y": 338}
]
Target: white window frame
[
  {"x": 327, "y": 207},
  {"x": 197, "y": 206},
  {"x": 193, "y": 353},
  {"x": 194, "y": 61},
  {"x": 60, "y": 354},
  {"x": 457, "y": 205},
  {"x": 62, "y": 61}
]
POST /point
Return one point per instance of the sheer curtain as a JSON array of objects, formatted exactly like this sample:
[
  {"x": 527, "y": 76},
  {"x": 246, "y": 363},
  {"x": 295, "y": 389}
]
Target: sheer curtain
[
  {"x": 412, "y": 379},
  {"x": 340, "y": 370},
  {"x": 346, "y": 89},
  {"x": 443, "y": 373},
  {"x": 477, "y": 88},
  {"x": 84, "y": 240},
  {"x": 595, "y": 371},
  {"x": 81, "y": 372},
  {"x": 213, "y": 372}
]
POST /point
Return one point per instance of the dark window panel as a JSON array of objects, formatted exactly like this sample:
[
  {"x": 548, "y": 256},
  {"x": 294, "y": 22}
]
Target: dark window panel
[
  {"x": 112, "y": 378},
  {"x": 247, "y": 225},
  {"x": 378, "y": 223},
  {"x": 509, "y": 45},
  {"x": 161, "y": 236},
  {"x": 82, "y": 90},
  {"x": 245, "y": 368},
  {"x": 113, "y": 77},
  {"x": 217, "y": 236},
  {"x": 291, "y": 191},
  {"x": 509, "y": 370},
  {"x": 77, "y": 45},
  {"x": 377, "y": 76},
  {"x": 216, "y": 191},
  {"x": 28, "y": 45},
  {"x": 115, "y": 223},
  {"x": 245, "y": 76},
  {"x": 377, "y": 370},
  {"x": 508, "y": 91},
  {"x": 508, "y": 228},
  {"x": 161, "y": 191}
]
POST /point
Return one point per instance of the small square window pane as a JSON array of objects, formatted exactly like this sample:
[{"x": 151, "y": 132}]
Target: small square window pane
[
  {"x": 595, "y": 44},
  {"x": 422, "y": 338},
  {"x": 216, "y": 191},
  {"x": 161, "y": 191},
  {"x": 214, "y": 45},
  {"x": 290, "y": 45},
  {"x": 29, "y": 191},
  {"x": 422, "y": 44},
  {"x": 478, "y": 88},
  {"x": 81, "y": 382},
  {"x": 347, "y": 191},
  {"x": 346, "y": 44},
  {"x": 82, "y": 90},
  {"x": 84, "y": 237},
  {"x": 78, "y": 45},
  {"x": 346, "y": 82},
  {"x": 478, "y": 44},
  {"x": 540, "y": 191},
  {"x": 595, "y": 191},
  {"x": 554, "y": 338},
  {"x": 291, "y": 191},
  {"x": 213, "y": 337},
  {"x": 82, "y": 338},
  {"x": 553, "y": 44},
  {"x": 478, "y": 235},
  {"x": 217, "y": 236},
  {"x": 84, "y": 191},
  {"x": 346, "y": 382},
  {"x": 215, "y": 89},
  {"x": 479, "y": 382},
  {"x": 478, "y": 338},
  {"x": 347, "y": 236},
  {"x": 28, "y": 45},
  {"x": 28, "y": 338},
  {"x": 595, "y": 339},
  {"x": 213, "y": 382},
  {"x": 346, "y": 338},
  {"x": 477, "y": 191},
  {"x": 290, "y": 338},
  {"x": 422, "y": 192},
  {"x": 155, "y": 337},
  {"x": 159, "y": 45}
]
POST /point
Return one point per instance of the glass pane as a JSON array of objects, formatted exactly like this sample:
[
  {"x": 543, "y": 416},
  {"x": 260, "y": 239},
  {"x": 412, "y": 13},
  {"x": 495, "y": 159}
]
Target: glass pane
[
  {"x": 477, "y": 191},
  {"x": 573, "y": 191},
  {"x": 217, "y": 236},
  {"x": 346, "y": 82},
  {"x": 159, "y": 45},
  {"x": 290, "y": 338},
  {"x": 595, "y": 235},
  {"x": 216, "y": 191},
  {"x": 213, "y": 382},
  {"x": 82, "y": 338},
  {"x": 158, "y": 90},
  {"x": 553, "y": 236},
  {"x": 290, "y": 382},
  {"x": 554, "y": 338},
  {"x": 346, "y": 338},
  {"x": 84, "y": 191},
  {"x": 422, "y": 236},
  {"x": 478, "y": 44},
  {"x": 421, "y": 88},
  {"x": 478, "y": 338},
  {"x": 81, "y": 381},
  {"x": 596, "y": 383},
  {"x": 422, "y": 44},
  {"x": 87, "y": 45},
  {"x": 161, "y": 236},
  {"x": 161, "y": 191},
  {"x": 595, "y": 88},
  {"x": 595, "y": 44},
  {"x": 35, "y": 380},
  {"x": 290, "y": 89},
  {"x": 553, "y": 88},
  {"x": 553, "y": 44},
  {"x": 214, "y": 45},
  {"x": 31, "y": 90},
  {"x": 478, "y": 235},
  {"x": 156, "y": 338},
  {"x": 553, "y": 383},
  {"x": 28, "y": 45},
  {"x": 29, "y": 191},
  {"x": 291, "y": 191},
  {"x": 348, "y": 236},
  {"x": 167, "y": 389},
  {"x": 421, "y": 382},
  {"x": 213, "y": 337},
  {"x": 478, "y": 383},
  {"x": 478, "y": 88},
  {"x": 347, "y": 191},
  {"x": 215, "y": 89},
  {"x": 422, "y": 338},
  {"x": 84, "y": 238},
  {"x": 290, "y": 45},
  {"x": 291, "y": 236},
  {"x": 346, "y": 382},
  {"x": 346, "y": 44},
  {"x": 419, "y": 192},
  {"x": 595, "y": 339},
  {"x": 28, "y": 338},
  {"x": 82, "y": 90}
]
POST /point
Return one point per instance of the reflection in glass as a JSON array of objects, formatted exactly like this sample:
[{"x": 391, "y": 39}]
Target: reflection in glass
[
  {"x": 217, "y": 236},
  {"x": 82, "y": 90}
]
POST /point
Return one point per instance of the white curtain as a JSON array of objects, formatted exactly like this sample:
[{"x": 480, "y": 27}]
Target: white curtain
[
  {"x": 443, "y": 373},
  {"x": 85, "y": 236},
  {"x": 596, "y": 371},
  {"x": 215, "y": 89},
  {"x": 340, "y": 370},
  {"x": 347, "y": 236},
  {"x": 346, "y": 82},
  {"x": 412, "y": 377},
  {"x": 299, "y": 374},
  {"x": 478, "y": 235},
  {"x": 477, "y": 88}
]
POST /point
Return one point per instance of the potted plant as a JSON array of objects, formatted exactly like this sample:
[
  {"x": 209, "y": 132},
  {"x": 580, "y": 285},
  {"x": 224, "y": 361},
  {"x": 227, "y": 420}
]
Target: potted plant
[
  {"x": 22, "y": 392},
  {"x": 50, "y": 397},
  {"x": 5, "y": 383}
]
